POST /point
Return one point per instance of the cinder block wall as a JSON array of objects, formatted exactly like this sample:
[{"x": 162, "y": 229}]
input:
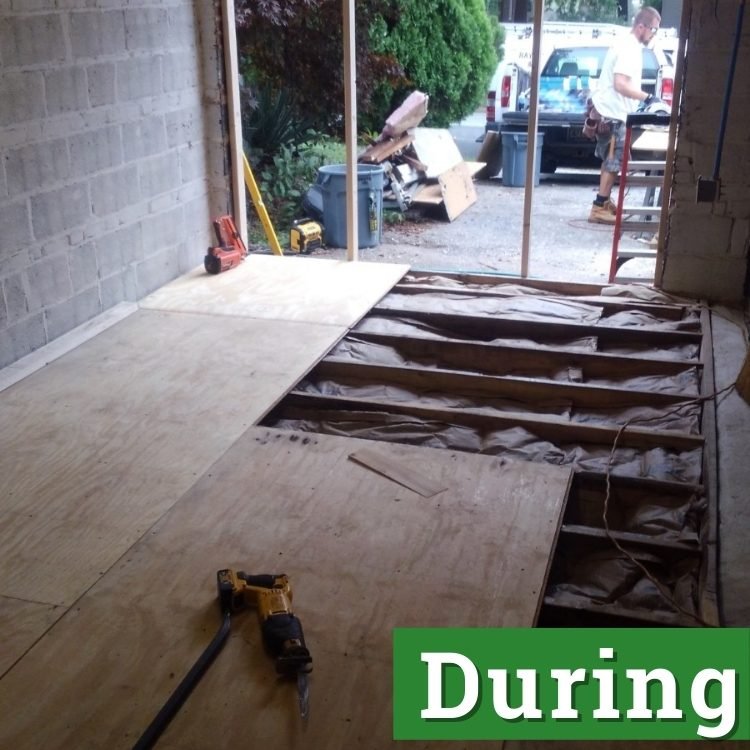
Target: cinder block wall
[
  {"x": 112, "y": 158},
  {"x": 708, "y": 243}
]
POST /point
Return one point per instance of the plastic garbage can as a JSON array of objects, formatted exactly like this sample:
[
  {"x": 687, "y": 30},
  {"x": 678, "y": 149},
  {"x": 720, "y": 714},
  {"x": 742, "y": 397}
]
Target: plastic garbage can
[
  {"x": 332, "y": 183},
  {"x": 515, "y": 148}
]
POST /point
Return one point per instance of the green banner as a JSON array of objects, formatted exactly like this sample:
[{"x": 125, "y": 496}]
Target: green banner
[{"x": 577, "y": 683}]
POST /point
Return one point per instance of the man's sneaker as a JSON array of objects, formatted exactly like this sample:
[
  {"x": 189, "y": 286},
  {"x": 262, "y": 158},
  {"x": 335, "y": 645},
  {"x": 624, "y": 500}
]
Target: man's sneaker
[{"x": 602, "y": 214}]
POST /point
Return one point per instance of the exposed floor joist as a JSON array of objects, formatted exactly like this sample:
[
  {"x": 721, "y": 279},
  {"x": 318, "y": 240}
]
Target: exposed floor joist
[{"x": 557, "y": 373}]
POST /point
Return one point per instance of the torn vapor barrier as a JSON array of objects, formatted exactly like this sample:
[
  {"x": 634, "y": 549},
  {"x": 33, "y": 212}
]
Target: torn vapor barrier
[{"x": 585, "y": 376}]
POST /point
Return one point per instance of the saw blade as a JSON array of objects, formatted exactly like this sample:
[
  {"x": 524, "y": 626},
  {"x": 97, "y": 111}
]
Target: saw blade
[{"x": 303, "y": 694}]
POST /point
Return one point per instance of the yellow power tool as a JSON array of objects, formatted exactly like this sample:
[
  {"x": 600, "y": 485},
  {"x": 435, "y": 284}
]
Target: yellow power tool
[
  {"x": 271, "y": 595},
  {"x": 282, "y": 635},
  {"x": 305, "y": 236}
]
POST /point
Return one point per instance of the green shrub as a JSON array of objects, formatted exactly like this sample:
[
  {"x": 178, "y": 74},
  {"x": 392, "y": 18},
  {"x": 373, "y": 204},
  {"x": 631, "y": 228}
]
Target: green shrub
[
  {"x": 270, "y": 120},
  {"x": 446, "y": 49},
  {"x": 293, "y": 169}
]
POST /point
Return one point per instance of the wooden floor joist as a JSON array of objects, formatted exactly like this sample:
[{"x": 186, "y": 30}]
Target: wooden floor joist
[
  {"x": 608, "y": 305},
  {"x": 506, "y": 359},
  {"x": 487, "y": 328},
  {"x": 526, "y": 390},
  {"x": 299, "y": 405},
  {"x": 567, "y": 365}
]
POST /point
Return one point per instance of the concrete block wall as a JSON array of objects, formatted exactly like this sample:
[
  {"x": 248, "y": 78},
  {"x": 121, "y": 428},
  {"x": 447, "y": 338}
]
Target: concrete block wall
[
  {"x": 112, "y": 156},
  {"x": 708, "y": 244}
]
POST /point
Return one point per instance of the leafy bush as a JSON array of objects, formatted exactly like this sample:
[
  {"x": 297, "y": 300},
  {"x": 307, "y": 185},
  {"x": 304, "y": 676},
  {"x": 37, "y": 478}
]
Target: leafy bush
[
  {"x": 292, "y": 171},
  {"x": 446, "y": 49},
  {"x": 298, "y": 45},
  {"x": 270, "y": 120}
]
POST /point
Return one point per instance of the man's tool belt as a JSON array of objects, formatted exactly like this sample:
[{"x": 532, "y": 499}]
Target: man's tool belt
[{"x": 595, "y": 124}]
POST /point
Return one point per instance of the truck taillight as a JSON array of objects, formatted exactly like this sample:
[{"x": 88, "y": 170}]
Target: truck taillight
[
  {"x": 490, "y": 116},
  {"x": 505, "y": 92},
  {"x": 667, "y": 90}
]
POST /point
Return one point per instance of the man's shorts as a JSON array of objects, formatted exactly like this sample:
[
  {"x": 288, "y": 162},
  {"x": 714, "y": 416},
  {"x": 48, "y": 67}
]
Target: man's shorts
[{"x": 604, "y": 148}]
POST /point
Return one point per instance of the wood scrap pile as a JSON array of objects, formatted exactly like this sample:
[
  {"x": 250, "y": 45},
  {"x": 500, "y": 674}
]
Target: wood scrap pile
[{"x": 421, "y": 165}]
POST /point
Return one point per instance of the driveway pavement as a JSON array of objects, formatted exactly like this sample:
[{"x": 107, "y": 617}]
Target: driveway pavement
[{"x": 487, "y": 237}]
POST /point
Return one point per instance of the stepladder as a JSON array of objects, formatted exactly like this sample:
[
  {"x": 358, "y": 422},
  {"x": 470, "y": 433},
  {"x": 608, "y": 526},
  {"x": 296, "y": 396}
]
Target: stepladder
[{"x": 640, "y": 221}]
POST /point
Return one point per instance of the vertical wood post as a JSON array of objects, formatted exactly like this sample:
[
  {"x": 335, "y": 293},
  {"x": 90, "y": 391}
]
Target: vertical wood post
[
  {"x": 531, "y": 137},
  {"x": 350, "y": 114},
  {"x": 231, "y": 71}
]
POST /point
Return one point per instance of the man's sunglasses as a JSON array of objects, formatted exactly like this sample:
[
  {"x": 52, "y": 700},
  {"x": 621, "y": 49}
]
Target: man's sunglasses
[{"x": 652, "y": 29}]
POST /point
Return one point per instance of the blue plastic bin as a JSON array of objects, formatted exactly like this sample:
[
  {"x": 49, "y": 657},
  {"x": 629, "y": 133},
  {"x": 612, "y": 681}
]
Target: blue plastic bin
[
  {"x": 515, "y": 148},
  {"x": 332, "y": 183}
]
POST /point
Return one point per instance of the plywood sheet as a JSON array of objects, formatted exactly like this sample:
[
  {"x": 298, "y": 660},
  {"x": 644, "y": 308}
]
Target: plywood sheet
[
  {"x": 364, "y": 554},
  {"x": 457, "y": 189},
  {"x": 436, "y": 148},
  {"x": 98, "y": 445},
  {"x": 316, "y": 290},
  {"x": 454, "y": 189},
  {"x": 63, "y": 344},
  {"x": 21, "y": 624}
]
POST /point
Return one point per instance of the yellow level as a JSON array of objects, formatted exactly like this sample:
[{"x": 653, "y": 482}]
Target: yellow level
[{"x": 260, "y": 207}]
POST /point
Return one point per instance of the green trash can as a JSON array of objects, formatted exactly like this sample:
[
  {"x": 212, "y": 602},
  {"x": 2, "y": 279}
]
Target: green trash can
[
  {"x": 515, "y": 148},
  {"x": 332, "y": 183}
]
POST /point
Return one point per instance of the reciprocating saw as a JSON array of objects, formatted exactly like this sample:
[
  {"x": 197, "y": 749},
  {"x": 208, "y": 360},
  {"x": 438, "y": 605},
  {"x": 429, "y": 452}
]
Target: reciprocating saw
[
  {"x": 271, "y": 595},
  {"x": 282, "y": 633}
]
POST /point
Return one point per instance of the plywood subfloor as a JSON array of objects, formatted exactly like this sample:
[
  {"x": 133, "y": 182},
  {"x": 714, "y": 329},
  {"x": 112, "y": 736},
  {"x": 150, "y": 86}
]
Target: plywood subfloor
[
  {"x": 314, "y": 290},
  {"x": 97, "y": 445},
  {"x": 365, "y": 554}
]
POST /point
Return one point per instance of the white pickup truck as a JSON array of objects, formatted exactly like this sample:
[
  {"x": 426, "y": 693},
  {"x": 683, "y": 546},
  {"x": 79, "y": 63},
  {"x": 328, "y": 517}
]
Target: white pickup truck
[
  {"x": 571, "y": 59},
  {"x": 513, "y": 75}
]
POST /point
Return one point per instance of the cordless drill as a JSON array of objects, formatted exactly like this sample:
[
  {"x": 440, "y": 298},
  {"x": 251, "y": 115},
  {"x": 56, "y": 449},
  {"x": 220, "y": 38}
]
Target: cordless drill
[{"x": 271, "y": 594}]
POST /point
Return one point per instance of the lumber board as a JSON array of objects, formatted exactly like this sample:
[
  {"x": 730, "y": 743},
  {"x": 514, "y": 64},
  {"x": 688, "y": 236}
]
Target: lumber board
[
  {"x": 508, "y": 357},
  {"x": 378, "y": 152},
  {"x": 400, "y": 471},
  {"x": 562, "y": 288},
  {"x": 436, "y": 148},
  {"x": 688, "y": 546},
  {"x": 639, "y": 617},
  {"x": 526, "y": 390},
  {"x": 608, "y": 304},
  {"x": 99, "y": 444},
  {"x": 549, "y": 427},
  {"x": 364, "y": 556},
  {"x": 457, "y": 190},
  {"x": 488, "y": 327},
  {"x": 315, "y": 290}
]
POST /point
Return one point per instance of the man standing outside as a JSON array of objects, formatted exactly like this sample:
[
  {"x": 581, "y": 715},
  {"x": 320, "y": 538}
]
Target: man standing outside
[{"x": 617, "y": 95}]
